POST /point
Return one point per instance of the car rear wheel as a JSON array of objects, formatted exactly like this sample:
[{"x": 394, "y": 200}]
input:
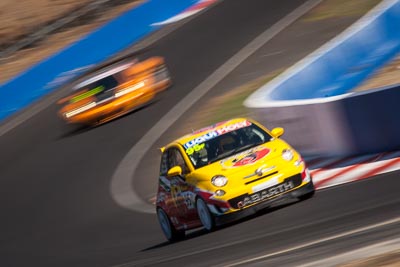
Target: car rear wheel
[
  {"x": 205, "y": 215},
  {"x": 168, "y": 228}
]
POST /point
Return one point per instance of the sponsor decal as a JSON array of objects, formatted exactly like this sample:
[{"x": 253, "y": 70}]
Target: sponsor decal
[
  {"x": 265, "y": 194},
  {"x": 233, "y": 127},
  {"x": 246, "y": 158},
  {"x": 217, "y": 132},
  {"x": 201, "y": 139},
  {"x": 165, "y": 183},
  {"x": 251, "y": 158},
  {"x": 195, "y": 148},
  {"x": 188, "y": 198}
]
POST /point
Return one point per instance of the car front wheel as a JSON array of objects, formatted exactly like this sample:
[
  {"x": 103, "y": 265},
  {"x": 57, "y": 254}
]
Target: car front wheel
[{"x": 206, "y": 218}]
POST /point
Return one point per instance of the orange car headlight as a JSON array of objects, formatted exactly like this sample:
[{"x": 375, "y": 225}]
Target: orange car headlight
[
  {"x": 129, "y": 89},
  {"x": 80, "y": 109}
]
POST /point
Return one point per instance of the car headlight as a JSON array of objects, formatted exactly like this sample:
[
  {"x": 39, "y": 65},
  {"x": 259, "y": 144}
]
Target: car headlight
[
  {"x": 298, "y": 162},
  {"x": 287, "y": 154},
  {"x": 219, "y": 193},
  {"x": 129, "y": 89},
  {"x": 219, "y": 180},
  {"x": 80, "y": 110}
]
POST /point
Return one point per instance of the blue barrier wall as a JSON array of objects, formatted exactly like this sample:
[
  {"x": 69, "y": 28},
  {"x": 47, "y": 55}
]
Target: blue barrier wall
[
  {"x": 356, "y": 123},
  {"x": 343, "y": 63},
  {"x": 93, "y": 49},
  {"x": 372, "y": 119},
  {"x": 308, "y": 100}
]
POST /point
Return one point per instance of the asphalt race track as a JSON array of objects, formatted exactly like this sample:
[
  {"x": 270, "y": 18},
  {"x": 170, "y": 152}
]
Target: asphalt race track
[{"x": 55, "y": 200}]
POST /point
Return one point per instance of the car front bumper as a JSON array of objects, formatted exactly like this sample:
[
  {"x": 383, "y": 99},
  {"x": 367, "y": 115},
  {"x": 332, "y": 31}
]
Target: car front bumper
[{"x": 248, "y": 211}]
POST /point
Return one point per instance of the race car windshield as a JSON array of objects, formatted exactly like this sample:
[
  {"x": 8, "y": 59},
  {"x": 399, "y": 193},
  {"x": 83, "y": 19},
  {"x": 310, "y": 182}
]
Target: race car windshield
[
  {"x": 96, "y": 88},
  {"x": 225, "y": 145},
  {"x": 106, "y": 83}
]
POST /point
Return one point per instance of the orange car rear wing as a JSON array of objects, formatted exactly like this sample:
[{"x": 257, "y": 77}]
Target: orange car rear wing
[{"x": 144, "y": 66}]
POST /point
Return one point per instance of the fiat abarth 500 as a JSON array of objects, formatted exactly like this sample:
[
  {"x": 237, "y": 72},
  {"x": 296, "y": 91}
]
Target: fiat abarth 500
[
  {"x": 225, "y": 172},
  {"x": 114, "y": 91}
]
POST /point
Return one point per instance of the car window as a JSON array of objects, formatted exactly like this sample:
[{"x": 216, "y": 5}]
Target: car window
[
  {"x": 164, "y": 164},
  {"x": 106, "y": 83},
  {"x": 177, "y": 160},
  {"x": 171, "y": 158},
  {"x": 219, "y": 146}
]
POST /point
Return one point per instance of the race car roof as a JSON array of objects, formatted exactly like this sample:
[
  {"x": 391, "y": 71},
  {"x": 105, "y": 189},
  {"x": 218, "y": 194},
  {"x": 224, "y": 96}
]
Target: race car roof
[
  {"x": 215, "y": 129},
  {"x": 102, "y": 74}
]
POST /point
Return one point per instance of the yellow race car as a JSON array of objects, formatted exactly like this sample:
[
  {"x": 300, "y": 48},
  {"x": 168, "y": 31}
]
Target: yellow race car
[
  {"x": 115, "y": 91},
  {"x": 224, "y": 172}
]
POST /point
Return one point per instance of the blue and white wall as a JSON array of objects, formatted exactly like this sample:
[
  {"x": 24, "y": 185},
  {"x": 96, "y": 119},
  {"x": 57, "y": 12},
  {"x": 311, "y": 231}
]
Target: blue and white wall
[
  {"x": 309, "y": 101},
  {"x": 342, "y": 63}
]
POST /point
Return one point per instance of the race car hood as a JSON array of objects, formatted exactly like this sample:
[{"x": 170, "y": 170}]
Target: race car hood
[{"x": 264, "y": 158}]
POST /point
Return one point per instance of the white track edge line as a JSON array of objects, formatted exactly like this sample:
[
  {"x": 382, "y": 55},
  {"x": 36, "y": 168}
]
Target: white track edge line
[
  {"x": 347, "y": 233},
  {"x": 121, "y": 183}
]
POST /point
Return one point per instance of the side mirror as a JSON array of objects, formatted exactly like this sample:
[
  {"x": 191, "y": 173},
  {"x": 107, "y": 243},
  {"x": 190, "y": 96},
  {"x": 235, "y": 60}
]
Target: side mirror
[
  {"x": 174, "y": 171},
  {"x": 277, "y": 132}
]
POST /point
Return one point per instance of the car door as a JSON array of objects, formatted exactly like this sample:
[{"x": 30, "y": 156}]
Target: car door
[
  {"x": 180, "y": 189},
  {"x": 174, "y": 191}
]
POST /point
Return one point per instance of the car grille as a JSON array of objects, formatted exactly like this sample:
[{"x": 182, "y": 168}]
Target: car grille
[
  {"x": 260, "y": 178},
  {"x": 265, "y": 194}
]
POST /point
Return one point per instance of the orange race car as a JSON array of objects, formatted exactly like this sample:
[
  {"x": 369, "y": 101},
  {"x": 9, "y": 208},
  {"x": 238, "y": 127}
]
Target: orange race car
[{"x": 115, "y": 91}]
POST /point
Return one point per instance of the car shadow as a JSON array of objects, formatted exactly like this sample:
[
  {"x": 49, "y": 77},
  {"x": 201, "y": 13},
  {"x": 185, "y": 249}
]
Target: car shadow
[
  {"x": 77, "y": 129},
  {"x": 73, "y": 130},
  {"x": 201, "y": 231}
]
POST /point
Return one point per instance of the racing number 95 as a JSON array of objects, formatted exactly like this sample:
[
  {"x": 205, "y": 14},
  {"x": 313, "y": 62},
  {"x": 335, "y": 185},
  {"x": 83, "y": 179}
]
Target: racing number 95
[{"x": 195, "y": 148}]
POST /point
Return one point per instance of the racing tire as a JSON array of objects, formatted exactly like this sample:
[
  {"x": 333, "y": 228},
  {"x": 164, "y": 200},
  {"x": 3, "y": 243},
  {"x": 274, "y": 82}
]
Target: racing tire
[
  {"x": 205, "y": 216},
  {"x": 168, "y": 228}
]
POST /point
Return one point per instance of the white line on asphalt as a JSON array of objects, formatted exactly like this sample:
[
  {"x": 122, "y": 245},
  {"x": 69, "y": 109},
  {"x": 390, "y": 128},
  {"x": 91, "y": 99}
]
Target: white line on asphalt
[
  {"x": 362, "y": 253},
  {"x": 316, "y": 242},
  {"x": 242, "y": 241},
  {"x": 261, "y": 98},
  {"x": 121, "y": 184}
]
